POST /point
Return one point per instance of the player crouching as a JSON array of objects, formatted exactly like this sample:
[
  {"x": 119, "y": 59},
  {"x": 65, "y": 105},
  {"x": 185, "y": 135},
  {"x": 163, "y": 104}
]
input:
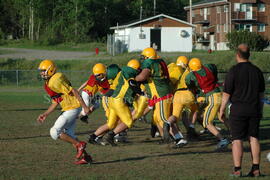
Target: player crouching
[{"x": 61, "y": 92}]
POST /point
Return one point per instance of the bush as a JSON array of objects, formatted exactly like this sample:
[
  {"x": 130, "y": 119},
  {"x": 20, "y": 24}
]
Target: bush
[{"x": 255, "y": 41}]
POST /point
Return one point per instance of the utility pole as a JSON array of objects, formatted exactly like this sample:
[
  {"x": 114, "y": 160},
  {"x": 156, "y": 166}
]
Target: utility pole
[
  {"x": 154, "y": 7},
  {"x": 141, "y": 17},
  {"x": 190, "y": 11}
]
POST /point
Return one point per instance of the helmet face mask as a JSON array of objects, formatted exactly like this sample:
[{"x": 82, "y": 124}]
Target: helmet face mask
[
  {"x": 100, "y": 77},
  {"x": 182, "y": 61},
  {"x": 43, "y": 74},
  {"x": 99, "y": 71}
]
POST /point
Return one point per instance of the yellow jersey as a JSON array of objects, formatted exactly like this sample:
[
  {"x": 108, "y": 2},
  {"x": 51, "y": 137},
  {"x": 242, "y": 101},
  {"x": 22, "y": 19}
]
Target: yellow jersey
[
  {"x": 59, "y": 88},
  {"x": 182, "y": 83}
]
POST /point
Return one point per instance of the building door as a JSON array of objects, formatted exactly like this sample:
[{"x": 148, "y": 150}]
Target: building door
[
  {"x": 248, "y": 11},
  {"x": 155, "y": 39}
]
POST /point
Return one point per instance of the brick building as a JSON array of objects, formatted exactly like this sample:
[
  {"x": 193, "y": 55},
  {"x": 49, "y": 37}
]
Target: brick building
[{"x": 215, "y": 18}]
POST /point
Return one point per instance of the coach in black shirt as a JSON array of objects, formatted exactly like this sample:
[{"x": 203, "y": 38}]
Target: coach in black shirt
[{"x": 244, "y": 88}]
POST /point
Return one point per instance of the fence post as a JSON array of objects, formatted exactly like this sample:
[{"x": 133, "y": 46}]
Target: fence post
[{"x": 17, "y": 77}]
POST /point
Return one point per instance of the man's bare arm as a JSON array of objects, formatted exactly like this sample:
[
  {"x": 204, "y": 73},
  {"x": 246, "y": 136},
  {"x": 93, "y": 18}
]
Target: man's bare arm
[
  {"x": 82, "y": 86},
  {"x": 76, "y": 94},
  {"x": 41, "y": 118},
  {"x": 225, "y": 100},
  {"x": 143, "y": 76}
]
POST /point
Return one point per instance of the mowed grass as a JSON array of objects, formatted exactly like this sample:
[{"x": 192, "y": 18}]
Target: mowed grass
[
  {"x": 28, "y": 152},
  {"x": 27, "y": 44}
]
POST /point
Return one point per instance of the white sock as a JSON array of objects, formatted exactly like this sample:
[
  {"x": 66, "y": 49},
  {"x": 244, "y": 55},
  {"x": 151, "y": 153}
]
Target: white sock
[
  {"x": 191, "y": 126},
  {"x": 179, "y": 135}
]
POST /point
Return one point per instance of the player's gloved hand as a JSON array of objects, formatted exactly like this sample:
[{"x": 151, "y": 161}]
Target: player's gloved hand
[{"x": 135, "y": 86}]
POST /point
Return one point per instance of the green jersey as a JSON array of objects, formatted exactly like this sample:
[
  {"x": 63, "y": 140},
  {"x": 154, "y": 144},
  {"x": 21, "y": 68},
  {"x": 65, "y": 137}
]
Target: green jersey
[
  {"x": 123, "y": 89},
  {"x": 158, "y": 84},
  {"x": 112, "y": 71}
]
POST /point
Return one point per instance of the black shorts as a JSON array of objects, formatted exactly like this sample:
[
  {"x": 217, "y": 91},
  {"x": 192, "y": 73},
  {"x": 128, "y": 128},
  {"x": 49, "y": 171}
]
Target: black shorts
[{"x": 242, "y": 127}]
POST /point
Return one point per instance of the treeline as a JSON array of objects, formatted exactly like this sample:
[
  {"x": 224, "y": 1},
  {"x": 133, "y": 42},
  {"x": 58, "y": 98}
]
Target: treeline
[{"x": 55, "y": 21}]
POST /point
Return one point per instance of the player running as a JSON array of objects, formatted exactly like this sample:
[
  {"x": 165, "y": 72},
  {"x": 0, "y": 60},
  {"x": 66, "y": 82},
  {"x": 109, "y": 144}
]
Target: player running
[
  {"x": 61, "y": 92},
  {"x": 122, "y": 98},
  {"x": 97, "y": 82},
  {"x": 155, "y": 75},
  {"x": 205, "y": 79}
]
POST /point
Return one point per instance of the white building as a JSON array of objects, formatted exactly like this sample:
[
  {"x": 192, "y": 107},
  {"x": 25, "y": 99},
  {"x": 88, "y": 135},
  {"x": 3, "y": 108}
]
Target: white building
[{"x": 163, "y": 32}]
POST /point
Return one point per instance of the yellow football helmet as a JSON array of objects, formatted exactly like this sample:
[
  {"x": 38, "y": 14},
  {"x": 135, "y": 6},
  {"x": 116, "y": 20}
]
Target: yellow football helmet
[
  {"x": 99, "y": 69},
  {"x": 149, "y": 53},
  {"x": 182, "y": 61},
  {"x": 48, "y": 68},
  {"x": 195, "y": 64},
  {"x": 134, "y": 63}
]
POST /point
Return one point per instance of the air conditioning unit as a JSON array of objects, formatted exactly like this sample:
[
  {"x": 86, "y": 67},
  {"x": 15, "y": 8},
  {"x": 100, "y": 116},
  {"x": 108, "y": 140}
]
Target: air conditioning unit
[{"x": 142, "y": 36}]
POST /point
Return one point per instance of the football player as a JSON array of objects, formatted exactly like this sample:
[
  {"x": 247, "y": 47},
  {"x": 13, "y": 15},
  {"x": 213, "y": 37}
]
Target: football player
[
  {"x": 204, "y": 78},
  {"x": 155, "y": 76},
  {"x": 62, "y": 93}
]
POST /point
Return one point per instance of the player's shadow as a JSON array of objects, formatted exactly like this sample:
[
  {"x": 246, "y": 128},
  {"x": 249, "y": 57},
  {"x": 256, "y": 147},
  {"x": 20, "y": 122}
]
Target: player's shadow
[{"x": 154, "y": 156}]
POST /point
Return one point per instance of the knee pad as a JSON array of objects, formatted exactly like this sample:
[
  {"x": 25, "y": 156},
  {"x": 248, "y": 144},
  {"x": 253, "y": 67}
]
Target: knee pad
[{"x": 54, "y": 133}]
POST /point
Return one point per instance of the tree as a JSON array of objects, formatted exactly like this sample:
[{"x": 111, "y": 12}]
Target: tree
[{"x": 255, "y": 41}]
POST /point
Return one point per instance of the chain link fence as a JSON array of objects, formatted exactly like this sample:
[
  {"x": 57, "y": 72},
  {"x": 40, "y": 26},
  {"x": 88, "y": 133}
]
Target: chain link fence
[
  {"x": 117, "y": 44},
  {"x": 31, "y": 78}
]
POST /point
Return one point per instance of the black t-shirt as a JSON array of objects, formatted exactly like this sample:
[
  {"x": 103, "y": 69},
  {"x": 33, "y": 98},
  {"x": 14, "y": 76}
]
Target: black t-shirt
[{"x": 244, "y": 82}]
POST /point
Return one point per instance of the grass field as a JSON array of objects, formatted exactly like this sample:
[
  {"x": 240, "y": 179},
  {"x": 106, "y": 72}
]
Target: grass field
[
  {"x": 28, "y": 152},
  {"x": 63, "y": 46}
]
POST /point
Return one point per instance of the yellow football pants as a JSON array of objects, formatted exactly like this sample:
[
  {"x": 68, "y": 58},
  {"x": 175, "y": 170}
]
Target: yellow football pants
[
  {"x": 181, "y": 100},
  {"x": 211, "y": 110},
  {"x": 162, "y": 111},
  {"x": 139, "y": 106},
  {"x": 118, "y": 110},
  {"x": 105, "y": 105}
]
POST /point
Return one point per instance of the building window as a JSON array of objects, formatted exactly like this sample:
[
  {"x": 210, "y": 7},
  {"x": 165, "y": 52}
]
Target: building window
[
  {"x": 237, "y": 7},
  {"x": 261, "y": 27},
  {"x": 261, "y": 7},
  {"x": 201, "y": 12},
  {"x": 241, "y": 27},
  {"x": 218, "y": 28},
  {"x": 218, "y": 9},
  {"x": 243, "y": 7},
  {"x": 208, "y": 11},
  {"x": 226, "y": 9}
]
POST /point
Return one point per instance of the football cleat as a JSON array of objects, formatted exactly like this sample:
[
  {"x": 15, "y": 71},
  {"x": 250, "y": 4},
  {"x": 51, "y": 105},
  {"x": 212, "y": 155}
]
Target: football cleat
[
  {"x": 96, "y": 140},
  {"x": 222, "y": 144},
  {"x": 121, "y": 137},
  {"x": 153, "y": 130},
  {"x": 236, "y": 174},
  {"x": 254, "y": 173},
  {"x": 80, "y": 149},
  {"x": 110, "y": 138},
  {"x": 180, "y": 143},
  {"x": 87, "y": 159},
  {"x": 192, "y": 135},
  {"x": 84, "y": 119}
]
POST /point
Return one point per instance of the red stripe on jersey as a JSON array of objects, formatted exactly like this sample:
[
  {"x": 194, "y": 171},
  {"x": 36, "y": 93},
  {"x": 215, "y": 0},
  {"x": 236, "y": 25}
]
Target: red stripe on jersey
[{"x": 54, "y": 96}]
